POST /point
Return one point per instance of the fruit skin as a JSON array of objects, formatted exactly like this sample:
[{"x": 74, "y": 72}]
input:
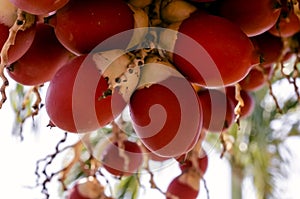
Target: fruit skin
[
  {"x": 39, "y": 7},
  {"x": 74, "y": 99},
  {"x": 153, "y": 156},
  {"x": 286, "y": 26},
  {"x": 86, "y": 188},
  {"x": 82, "y": 25},
  {"x": 248, "y": 99},
  {"x": 256, "y": 78},
  {"x": 181, "y": 190},
  {"x": 254, "y": 16},
  {"x": 166, "y": 115},
  {"x": 115, "y": 163},
  {"x": 41, "y": 61},
  {"x": 187, "y": 164},
  {"x": 225, "y": 49},
  {"x": 218, "y": 110},
  {"x": 75, "y": 194},
  {"x": 23, "y": 41},
  {"x": 268, "y": 47}
]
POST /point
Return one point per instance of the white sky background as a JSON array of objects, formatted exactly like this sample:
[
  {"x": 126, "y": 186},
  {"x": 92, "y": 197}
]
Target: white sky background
[{"x": 17, "y": 164}]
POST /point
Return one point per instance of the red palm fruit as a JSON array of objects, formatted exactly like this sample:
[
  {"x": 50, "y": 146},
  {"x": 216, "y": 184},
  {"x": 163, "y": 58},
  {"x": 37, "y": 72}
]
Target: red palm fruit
[
  {"x": 218, "y": 110},
  {"x": 23, "y": 39},
  {"x": 248, "y": 99},
  {"x": 180, "y": 188},
  {"x": 39, "y": 7},
  {"x": 186, "y": 163},
  {"x": 41, "y": 61},
  {"x": 206, "y": 56},
  {"x": 82, "y": 25},
  {"x": 254, "y": 17},
  {"x": 269, "y": 48},
  {"x": 122, "y": 160},
  {"x": 256, "y": 78},
  {"x": 165, "y": 111},
  {"x": 86, "y": 188},
  {"x": 78, "y": 98},
  {"x": 286, "y": 26}
]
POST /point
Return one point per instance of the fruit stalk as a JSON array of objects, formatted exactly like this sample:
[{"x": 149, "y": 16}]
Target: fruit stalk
[{"x": 22, "y": 22}]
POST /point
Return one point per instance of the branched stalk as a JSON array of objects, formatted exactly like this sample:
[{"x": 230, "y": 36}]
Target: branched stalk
[
  {"x": 22, "y": 24},
  {"x": 64, "y": 172},
  {"x": 36, "y": 107},
  {"x": 152, "y": 182},
  {"x": 269, "y": 83},
  {"x": 47, "y": 161}
]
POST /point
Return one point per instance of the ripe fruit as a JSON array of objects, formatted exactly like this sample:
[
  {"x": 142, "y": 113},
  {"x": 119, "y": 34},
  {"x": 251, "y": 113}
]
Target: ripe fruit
[
  {"x": 209, "y": 55},
  {"x": 256, "y": 78},
  {"x": 181, "y": 188},
  {"x": 218, "y": 110},
  {"x": 254, "y": 17},
  {"x": 248, "y": 99},
  {"x": 154, "y": 157},
  {"x": 286, "y": 26},
  {"x": 186, "y": 164},
  {"x": 165, "y": 111},
  {"x": 269, "y": 48},
  {"x": 86, "y": 188},
  {"x": 39, "y": 7},
  {"x": 24, "y": 38},
  {"x": 78, "y": 98},
  {"x": 82, "y": 25},
  {"x": 44, "y": 57},
  {"x": 122, "y": 158}
]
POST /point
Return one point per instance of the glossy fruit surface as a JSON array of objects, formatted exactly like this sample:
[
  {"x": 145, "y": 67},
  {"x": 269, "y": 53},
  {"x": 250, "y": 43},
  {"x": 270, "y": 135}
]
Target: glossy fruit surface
[
  {"x": 256, "y": 78},
  {"x": 268, "y": 47},
  {"x": 286, "y": 26},
  {"x": 248, "y": 99},
  {"x": 202, "y": 161},
  {"x": 209, "y": 55},
  {"x": 122, "y": 160},
  {"x": 23, "y": 41},
  {"x": 218, "y": 110},
  {"x": 181, "y": 190},
  {"x": 44, "y": 57},
  {"x": 39, "y": 7},
  {"x": 82, "y": 25},
  {"x": 74, "y": 99},
  {"x": 166, "y": 115},
  {"x": 254, "y": 17}
]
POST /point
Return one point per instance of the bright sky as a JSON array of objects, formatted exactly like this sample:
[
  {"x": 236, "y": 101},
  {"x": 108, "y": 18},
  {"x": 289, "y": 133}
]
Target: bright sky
[{"x": 18, "y": 165}]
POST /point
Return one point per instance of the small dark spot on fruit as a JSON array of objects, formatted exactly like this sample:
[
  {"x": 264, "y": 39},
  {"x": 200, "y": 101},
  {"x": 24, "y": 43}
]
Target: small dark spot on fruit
[
  {"x": 130, "y": 70},
  {"x": 118, "y": 80},
  {"x": 20, "y": 22}
]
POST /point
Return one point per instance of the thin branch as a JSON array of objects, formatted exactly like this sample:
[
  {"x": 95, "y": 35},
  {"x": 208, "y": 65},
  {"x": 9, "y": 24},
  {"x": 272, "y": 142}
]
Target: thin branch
[
  {"x": 152, "y": 182},
  {"x": 205, "y": 187},
  {"x": 36, "y": 107},
  {"x": 48, "y": 160},
  {"x": 240, "y": 104},
  {"x": 269, "y": 83}
]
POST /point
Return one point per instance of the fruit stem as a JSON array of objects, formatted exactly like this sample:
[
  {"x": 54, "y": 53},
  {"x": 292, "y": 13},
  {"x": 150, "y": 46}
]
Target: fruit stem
[
  {"x": 240, "y": 104},
  {"x": 23, "y": 21},
  {"x": 34, "y": 110}
]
